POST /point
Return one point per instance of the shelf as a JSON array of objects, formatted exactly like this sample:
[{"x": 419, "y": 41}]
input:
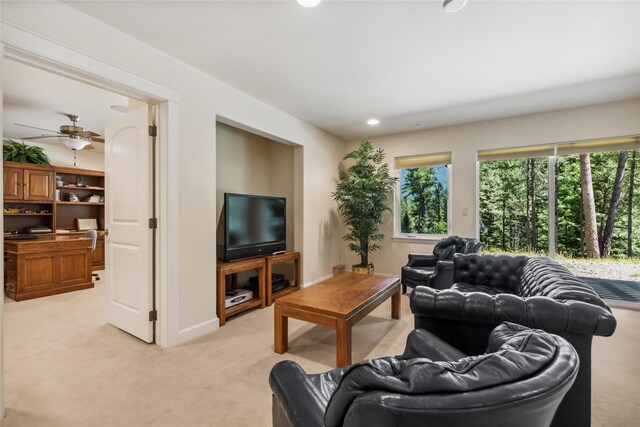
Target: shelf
[
  {"x": 29, "y": 214},
  {"x": 81, "y": 188},
  {"x": 285, "y": 291},
  {"x": 80, "y": 203},
  {"x": 237, "y": 309},
  {"x": 28, "y": 202}
]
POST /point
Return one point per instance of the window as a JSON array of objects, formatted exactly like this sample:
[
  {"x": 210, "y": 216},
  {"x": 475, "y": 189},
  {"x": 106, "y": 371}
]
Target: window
[
  {"x": 422, "y": 202},
  {"x": 531, "y": 198}
]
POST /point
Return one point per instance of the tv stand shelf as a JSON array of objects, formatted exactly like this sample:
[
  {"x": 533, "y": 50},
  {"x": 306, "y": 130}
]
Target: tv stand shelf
[
  {"x": 271, "y": 260},
  {"x": 225, "y": 269}
]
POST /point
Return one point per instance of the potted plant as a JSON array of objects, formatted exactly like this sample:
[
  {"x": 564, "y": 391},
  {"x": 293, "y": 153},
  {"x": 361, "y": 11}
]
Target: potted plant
[
  {"x": 15, "y": 151},
  {"x": 362, "y": 195}
]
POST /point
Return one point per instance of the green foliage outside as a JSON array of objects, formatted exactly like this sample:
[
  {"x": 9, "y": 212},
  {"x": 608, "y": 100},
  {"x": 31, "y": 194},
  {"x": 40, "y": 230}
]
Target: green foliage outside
[
  {"x": 505, "y": 188},
  {"x": 423, "y": 208},
  {"x": 362, "y": 195},
  {"x": 16, "y": 151}
]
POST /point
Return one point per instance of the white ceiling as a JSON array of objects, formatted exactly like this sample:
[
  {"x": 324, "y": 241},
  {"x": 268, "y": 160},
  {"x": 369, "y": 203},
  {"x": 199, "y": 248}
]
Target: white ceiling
[
  {"x": 41, "y": 99},
  {"x": 407, "y": 63}
]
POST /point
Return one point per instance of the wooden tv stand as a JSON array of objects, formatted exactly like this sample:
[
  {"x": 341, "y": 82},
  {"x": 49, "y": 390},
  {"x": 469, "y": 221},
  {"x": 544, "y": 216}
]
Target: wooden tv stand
[{"x": 264, "y": 296}]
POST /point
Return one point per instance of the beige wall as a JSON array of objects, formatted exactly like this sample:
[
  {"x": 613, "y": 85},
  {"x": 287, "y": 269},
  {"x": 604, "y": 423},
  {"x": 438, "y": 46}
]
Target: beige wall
[
  {"x": 250, "y": 164},
  {"x": 202, "y": 100},
  {"x": 463, "y": 141},
  {"x": 63, "y": 156}
]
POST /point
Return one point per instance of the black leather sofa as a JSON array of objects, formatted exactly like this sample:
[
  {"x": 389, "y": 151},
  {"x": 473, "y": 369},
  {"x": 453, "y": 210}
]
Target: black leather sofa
[
  {"x": 520, "y": 381},
  {"x": 421, "y": 266},
  {"x": 533, "y": 291}
]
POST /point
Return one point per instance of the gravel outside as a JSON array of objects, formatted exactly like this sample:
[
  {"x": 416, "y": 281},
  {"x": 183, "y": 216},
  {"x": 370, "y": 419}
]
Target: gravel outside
[{"x": 602, "y": 269}]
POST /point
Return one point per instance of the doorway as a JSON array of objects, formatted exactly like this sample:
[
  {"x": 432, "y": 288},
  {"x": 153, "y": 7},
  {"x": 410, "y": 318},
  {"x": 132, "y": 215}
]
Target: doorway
[{"x": 30, "y": 49}]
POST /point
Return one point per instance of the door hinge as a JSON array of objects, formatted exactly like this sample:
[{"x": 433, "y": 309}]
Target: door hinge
[
  {"x": 153, "y": 223},
  {"x": 153, "y": 130},
  {"x": 153, "y": 315}
]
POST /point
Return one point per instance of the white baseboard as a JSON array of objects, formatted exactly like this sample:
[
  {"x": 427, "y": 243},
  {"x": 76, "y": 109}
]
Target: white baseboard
[
  {"x": 196, "y": 331},
  {"x": 322, "y": 279}
]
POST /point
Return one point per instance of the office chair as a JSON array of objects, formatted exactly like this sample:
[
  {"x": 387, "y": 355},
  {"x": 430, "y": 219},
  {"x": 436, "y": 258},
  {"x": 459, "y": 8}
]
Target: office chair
[{"x": 93, "y": 235}]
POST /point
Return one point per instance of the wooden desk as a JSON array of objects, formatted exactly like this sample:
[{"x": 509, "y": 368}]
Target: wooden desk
[
  {"x": 47, "y": 266},
  {"x": 225, "y": 269},
  {"x": 339, "y": 302},
  {"x": 271, "y": 260}
]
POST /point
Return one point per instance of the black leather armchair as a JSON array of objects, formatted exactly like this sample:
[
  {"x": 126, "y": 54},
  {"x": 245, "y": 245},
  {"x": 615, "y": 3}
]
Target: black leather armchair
[
  {"x": 421, "y": 266},
  {"x": 533, "y": 291},
  {"x": 520, "y": 381}
]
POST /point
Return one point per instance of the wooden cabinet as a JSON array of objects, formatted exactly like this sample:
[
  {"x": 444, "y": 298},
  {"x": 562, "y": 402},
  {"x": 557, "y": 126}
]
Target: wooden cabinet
[
  {"x": 30, "y": 196},
  {"x": 28, "y": 182}
]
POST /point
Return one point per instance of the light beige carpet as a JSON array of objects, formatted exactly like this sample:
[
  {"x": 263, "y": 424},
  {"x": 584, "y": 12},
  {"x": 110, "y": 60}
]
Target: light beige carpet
[{"x": 64, "y": 366}]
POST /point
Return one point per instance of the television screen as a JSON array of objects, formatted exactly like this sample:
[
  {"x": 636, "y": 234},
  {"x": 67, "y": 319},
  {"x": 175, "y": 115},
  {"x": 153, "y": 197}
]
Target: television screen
[{"x": 255, "y": 220}]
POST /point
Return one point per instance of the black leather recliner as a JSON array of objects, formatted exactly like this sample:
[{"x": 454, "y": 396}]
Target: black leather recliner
[
  {"x": 421, "y": 266},
  {"x": 533, "y": 291},
  {"x": 520, "y": 381}
]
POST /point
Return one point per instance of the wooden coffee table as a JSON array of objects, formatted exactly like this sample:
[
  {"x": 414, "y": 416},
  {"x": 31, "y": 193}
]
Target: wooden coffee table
[{"x": 339, "y": 302}]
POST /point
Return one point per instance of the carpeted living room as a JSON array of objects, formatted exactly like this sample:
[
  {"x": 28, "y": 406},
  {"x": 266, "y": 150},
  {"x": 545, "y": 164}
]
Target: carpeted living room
[{"x": 348, "y": 213}]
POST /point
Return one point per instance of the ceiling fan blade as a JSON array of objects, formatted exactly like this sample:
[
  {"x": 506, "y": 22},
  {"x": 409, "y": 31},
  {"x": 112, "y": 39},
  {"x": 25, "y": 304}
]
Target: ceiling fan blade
[
  {"x": 43, "y": 137},
  {"x": 89, "y": 147},
  {"x": 33, "y": 127},
  {"x": 88, "y": 134},
  {"x": 98, "y": 138}
]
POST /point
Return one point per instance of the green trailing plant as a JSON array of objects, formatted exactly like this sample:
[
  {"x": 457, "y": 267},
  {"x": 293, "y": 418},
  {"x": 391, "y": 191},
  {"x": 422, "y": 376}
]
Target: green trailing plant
[
  {"x": 16, "y": 151},
  {"x": 362, "y": 194}
]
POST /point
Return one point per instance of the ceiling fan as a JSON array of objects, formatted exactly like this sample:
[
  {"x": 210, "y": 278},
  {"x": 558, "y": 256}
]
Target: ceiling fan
[{"x": 72, "y": 136}]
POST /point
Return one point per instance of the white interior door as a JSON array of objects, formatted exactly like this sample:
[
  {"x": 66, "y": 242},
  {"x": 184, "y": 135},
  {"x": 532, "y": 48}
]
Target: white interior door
[{"x": 128, "y": 207}]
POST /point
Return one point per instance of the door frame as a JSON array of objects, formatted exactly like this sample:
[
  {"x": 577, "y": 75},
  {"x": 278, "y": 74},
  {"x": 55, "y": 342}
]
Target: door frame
[{"x": 25, "y": 47}]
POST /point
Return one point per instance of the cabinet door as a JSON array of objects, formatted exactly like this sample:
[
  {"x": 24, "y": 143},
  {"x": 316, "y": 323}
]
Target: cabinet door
[
  {"x": 38, "y": 185},
  {"x": 12, "y": 179}
]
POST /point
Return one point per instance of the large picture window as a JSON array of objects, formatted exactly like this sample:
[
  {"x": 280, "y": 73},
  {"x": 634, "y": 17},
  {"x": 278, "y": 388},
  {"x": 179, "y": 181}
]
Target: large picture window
[{"x": 423, "y": 195}]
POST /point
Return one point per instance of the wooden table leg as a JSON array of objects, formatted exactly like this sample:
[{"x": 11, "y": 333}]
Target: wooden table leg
[
  {"x": 343, "y": 343},
  {"x": 395, "y": 304},
  {"x": 262, "y": 287},
  {"x": 281, "y": 331}
]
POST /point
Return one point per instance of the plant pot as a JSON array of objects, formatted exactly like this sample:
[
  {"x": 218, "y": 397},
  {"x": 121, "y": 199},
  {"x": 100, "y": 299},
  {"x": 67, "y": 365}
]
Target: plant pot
[{"x": 362, "y": 269}]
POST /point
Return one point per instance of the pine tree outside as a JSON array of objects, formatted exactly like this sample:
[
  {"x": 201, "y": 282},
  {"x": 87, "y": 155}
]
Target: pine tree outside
[{"x": 424, "y": 200}]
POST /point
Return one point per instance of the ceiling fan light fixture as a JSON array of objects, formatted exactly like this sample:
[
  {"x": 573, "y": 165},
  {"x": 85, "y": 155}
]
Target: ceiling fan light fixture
[
  {"x": 309, "y": 3},
  {"x": 453, "y": 5},
  {"x": 75, "y": 143}
]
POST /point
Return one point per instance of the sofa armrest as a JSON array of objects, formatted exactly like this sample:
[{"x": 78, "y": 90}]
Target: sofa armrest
[
  {"x": 442, "y": 277},
  {"x": 422, "y": 260},
  {"x": 535, "y": 312},
  {"x": 299, "y": 398},
  {"x": 422, "y": 343}
]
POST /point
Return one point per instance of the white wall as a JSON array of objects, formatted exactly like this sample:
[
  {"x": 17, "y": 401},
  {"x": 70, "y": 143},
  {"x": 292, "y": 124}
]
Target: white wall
[
  {"x": 63, "y": 156},
  {"x": 203, "y": 98},
  {"x": 250, "y": 164},
  {"x": 463, "y": 141}
]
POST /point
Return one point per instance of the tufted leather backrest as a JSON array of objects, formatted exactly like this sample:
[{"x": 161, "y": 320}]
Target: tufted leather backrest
[
  {"x": 447, "y": 247},
  {"x": 542, "y": 276},
  {"x": 521, "y": 366},
  {"x": 496, "y": 271}
]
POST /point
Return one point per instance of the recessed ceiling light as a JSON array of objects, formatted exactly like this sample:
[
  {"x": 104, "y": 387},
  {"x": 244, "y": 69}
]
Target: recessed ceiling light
[
  {"x": 453, "y": 5},
  {"x": 373, "y": 121},
  {"x": 308, "y": 3},
  {"x": 120, "y": 108}
]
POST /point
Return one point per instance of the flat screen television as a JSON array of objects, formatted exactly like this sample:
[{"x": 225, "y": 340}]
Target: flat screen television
[{"x": 251, "y": 226}]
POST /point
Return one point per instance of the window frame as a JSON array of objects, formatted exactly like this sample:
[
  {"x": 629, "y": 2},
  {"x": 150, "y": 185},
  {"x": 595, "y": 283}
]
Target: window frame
[{"x": 397, "y": 203}]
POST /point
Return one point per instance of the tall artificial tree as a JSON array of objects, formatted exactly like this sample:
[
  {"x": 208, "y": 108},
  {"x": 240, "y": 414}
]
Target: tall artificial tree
[{"x": 363, "y": 194}]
